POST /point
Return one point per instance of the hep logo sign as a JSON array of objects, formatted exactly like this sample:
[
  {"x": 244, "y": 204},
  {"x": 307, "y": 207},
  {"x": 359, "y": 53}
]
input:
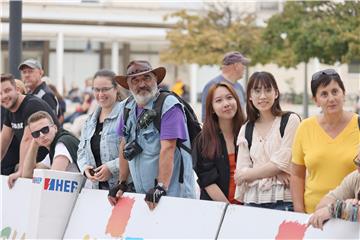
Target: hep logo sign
[{"x": 60, "y": 185}]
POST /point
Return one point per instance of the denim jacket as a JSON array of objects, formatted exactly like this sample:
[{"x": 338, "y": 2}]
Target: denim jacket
[
  {"x": 109, "y": 143},
  {"x": 144, "y": 167}
]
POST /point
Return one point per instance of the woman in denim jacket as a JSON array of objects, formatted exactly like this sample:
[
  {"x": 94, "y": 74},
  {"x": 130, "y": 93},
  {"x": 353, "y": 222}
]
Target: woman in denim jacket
[{"x": 99, "y": 144}]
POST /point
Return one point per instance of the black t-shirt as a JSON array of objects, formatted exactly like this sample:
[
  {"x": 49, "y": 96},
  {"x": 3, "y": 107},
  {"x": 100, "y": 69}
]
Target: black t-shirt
[
  {"x": 44, "y": 92},
  {"x": 95, "y": 148},
  {"x": 18, "y": 120},
  {"x": 11, "y": 157}
]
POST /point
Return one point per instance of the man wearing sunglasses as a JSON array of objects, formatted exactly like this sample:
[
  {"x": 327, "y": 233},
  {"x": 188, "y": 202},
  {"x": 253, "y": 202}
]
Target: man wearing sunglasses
[
  {"x": 61, "y": 144},
  {"x": 342, "y": 202},
  {"x": 19, "y": 108}
]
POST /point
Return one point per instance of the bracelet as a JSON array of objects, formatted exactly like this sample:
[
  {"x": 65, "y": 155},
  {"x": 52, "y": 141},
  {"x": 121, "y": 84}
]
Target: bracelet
[{"x": 330, "y": 208}]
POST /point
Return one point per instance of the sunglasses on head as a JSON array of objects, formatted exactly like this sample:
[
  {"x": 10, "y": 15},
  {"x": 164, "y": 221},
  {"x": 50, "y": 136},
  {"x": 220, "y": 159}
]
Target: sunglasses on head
[
  {"x": 327, "y": 72},
  {"x": 44, "y": 130},
  {"x": 356, "y": 161}
]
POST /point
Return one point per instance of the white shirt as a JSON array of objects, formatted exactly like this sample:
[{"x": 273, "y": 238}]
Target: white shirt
[{"x": 61, "y": 150}]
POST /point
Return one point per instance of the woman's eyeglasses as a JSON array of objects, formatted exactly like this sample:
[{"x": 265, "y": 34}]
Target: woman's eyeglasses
[
  {"x": 256, "y": 92},
  {"x": 44, "y": 130},
  {"x": 103, "y": 90}
]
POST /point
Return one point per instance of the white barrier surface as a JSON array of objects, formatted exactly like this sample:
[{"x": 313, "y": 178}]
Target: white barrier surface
[
  {"x": 53, "y": 197},
  {"x": 26, "y": 213},
  {"x": 242, "y": 222},
  {"x": 15, "y": 208},
  {"x": 93, "y": 217}
]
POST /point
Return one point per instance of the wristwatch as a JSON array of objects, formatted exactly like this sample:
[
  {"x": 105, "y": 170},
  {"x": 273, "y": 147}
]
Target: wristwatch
[{"x": 162, "y": 185}]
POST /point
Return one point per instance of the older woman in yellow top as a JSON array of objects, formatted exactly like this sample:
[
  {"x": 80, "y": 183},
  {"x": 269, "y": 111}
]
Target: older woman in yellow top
[{"x": 324, "y": 145}]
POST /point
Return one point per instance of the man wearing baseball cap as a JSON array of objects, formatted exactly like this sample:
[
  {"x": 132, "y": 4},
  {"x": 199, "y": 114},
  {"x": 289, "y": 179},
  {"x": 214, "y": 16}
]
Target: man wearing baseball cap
[
  {"x": 232, "y": 70},
  {"x": 31, "y": 73},
  {"x": 149, "y": 154}
]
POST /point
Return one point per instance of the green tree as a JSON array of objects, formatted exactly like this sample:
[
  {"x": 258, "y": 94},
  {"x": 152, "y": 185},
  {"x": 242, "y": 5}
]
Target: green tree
[
  {"x": 203, "y": 39},
  {"x": 325, "y": 30}
]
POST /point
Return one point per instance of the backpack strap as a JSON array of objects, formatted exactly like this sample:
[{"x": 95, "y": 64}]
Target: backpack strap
[
  {"x": 284, "y": 121},
  {"x": 158, "y": 105},
  {"x": 159, "y": 102},
  {"x": 359, "y": 121},
  {"x": 249, "y": 129},
  {"x": 127, "y": 110}
]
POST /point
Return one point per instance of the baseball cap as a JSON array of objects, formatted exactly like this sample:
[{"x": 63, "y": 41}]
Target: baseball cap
[
  {"x": 31, "y": 63},
  {"x": 234, "y": 57}
]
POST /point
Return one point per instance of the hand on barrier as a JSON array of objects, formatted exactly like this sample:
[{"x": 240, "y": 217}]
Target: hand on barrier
[
  {"x": 116, "y": 192},
  {"x": 153, "y": 196},
  {"x": 12, "y": 178},
  {"x": 319, "y": 217}
]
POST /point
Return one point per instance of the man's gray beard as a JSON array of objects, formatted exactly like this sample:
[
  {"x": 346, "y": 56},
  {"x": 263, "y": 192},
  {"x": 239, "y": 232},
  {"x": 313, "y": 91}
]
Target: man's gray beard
[{"x": 143, "y": 100}]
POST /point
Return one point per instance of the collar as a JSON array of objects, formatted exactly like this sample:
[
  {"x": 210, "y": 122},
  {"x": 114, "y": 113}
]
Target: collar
[{"x": 37, "y": 89}]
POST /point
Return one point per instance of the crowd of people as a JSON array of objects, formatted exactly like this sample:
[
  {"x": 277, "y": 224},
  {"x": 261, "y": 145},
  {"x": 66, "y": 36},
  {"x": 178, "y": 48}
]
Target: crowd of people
[{"x": 249, "y": 151}]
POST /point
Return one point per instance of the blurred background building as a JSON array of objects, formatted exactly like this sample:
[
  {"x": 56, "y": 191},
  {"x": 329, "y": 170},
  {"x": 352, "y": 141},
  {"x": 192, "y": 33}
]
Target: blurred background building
[{"x": 74, "y": 38}]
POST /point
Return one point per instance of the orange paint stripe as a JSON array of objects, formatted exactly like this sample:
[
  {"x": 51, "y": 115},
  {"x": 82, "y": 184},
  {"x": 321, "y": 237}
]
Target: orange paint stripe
[{"x": 119, "y": 217}]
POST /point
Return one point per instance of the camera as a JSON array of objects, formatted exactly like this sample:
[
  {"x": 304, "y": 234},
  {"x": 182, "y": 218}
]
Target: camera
[
  {"x": 146, "y": 118},
  {"x": 131, "y": 149}
]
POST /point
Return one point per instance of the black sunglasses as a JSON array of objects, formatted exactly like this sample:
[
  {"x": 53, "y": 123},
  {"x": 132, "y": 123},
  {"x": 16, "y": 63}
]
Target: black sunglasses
[
  {"x": 327, "y": 72},
  {"x": 357, "y": 163},
  {"x": 44, "y": 130}
]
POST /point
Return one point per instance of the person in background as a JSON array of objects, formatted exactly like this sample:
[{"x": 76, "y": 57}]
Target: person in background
[
  {"x": 62, "y": 103},
  {"x": 215, "y": 149},
  {"x": 81, "y": 108},
  {"x": 325, "y": 145},
  {"x": 31, "y": 73},
  {"x": 342, "y": 202},
  {"x": 98, "y": 154},
  {"x": 263, "y": 165},
  {"x": 232, "y": 69}
]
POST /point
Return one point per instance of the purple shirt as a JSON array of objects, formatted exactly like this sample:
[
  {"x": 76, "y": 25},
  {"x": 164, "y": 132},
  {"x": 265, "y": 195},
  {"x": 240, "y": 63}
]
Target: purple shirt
[{"x": 172, "y": 124}]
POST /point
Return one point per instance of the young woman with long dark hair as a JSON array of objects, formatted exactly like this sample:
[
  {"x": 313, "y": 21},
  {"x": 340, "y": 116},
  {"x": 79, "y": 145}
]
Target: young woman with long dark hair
[{"x": 215, "y": 147}]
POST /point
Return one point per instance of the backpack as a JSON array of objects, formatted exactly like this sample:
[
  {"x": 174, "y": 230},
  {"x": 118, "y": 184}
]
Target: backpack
[
  {"x": 192, "y": 122},
  {"x": 250, "y": 127}
]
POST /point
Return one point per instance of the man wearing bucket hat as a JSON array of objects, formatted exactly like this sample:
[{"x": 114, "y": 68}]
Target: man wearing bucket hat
[
  {"x": 31, "y": 73},
  {"x": 232, "y": 70},
  {"x": 151, "y": 156}
]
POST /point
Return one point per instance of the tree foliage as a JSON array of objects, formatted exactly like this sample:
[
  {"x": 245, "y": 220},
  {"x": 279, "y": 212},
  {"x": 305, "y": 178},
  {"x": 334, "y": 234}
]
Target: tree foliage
[
  {"x": 203, "y": 39},
  {"x": 326, "y": 30}
]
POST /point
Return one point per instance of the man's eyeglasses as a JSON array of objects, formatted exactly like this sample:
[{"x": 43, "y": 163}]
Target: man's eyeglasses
[
  {"x": 136, "y": 80},
  {"x": 356, "y": 161},
  {"x": 103, "y": 90},
  {"x": 327, "y": 72},
  {"x": 44, "y": 130},
  {"x": 256, "y": 92}
]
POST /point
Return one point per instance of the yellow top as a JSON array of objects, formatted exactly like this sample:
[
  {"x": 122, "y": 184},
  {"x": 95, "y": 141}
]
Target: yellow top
[{"x": 327, "y": 160}]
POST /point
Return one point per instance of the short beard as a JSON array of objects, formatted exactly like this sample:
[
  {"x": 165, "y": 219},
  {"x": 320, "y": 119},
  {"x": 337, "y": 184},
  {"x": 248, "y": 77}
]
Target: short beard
[
  {"x": 13, "y": 104},
  {"x": 143, "y": 100}
]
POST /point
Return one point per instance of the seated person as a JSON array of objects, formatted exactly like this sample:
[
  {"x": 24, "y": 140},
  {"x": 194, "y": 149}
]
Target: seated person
[
  {"x": 342, "y": 202},
  {"x": 61, "y": 144}
]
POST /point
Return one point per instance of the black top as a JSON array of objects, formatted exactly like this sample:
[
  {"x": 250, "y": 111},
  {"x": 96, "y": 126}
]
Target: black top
[
  {"x": 18, "y": 120},
  {"x": 44, "y": 92},
  {"x": 11, "y": 157},
  {"x": 210, "y": 171},
  {"x": 95, "y": 148},
  {"x": 69, "y": 140}
]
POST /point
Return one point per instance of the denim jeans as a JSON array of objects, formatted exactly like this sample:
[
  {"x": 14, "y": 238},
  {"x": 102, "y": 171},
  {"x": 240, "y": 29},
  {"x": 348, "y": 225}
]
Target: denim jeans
[{"x": 279, "y": 205}]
